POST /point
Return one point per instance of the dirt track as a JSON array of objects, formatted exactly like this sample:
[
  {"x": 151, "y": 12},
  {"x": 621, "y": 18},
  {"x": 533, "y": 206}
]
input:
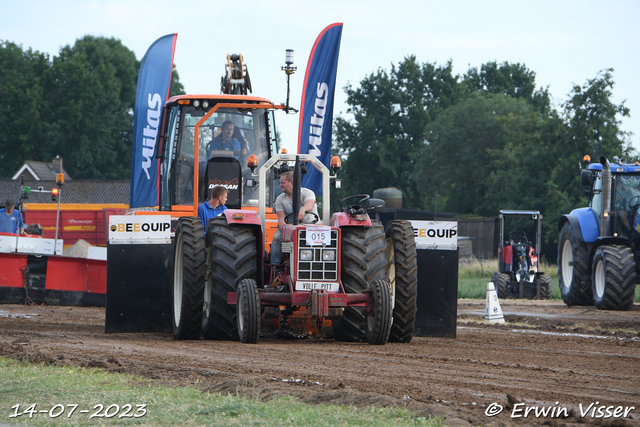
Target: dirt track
[{"x": 546, "y": 353}]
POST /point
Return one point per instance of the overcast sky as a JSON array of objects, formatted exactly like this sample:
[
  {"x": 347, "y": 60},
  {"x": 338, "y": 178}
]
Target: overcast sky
[{"x": 563, "y": 42}]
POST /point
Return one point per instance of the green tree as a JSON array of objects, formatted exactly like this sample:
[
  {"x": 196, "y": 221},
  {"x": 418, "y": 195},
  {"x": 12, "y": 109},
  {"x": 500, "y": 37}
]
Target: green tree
[
  {"x": 79, "y": 105},
  {"x": 90, "y": 99},
  {"x": 390, "y": 112},
  {"x": 515, "y": 80},
  {"x": 594, "y": 119},
  {"x": 21, "y": 97},
  {"x": 480, "y": 155}
]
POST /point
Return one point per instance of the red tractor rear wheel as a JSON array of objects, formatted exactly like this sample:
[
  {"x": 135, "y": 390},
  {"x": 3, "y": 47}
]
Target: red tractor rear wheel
[
  {"x": 363, "y": 262},
  {"x": 403, "y": 275}
]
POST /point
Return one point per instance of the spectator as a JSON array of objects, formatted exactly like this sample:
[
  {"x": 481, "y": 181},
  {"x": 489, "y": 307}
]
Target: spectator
[{"x": 11, "y": 219}]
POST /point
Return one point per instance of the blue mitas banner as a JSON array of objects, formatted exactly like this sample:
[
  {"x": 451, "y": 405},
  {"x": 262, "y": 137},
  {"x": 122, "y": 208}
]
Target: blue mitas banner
[
  {"x": 154, "y": 79},
  {"x": 316, "y": 111}
]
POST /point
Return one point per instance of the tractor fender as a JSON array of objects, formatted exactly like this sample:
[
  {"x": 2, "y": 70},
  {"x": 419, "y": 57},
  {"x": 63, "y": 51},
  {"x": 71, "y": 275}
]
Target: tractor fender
[
  {"x": 608, "y": 240},
  {"x": 340, "y": 219},
  {"x": 584, "y": 224},
  {"x": 238, "y": 216}
]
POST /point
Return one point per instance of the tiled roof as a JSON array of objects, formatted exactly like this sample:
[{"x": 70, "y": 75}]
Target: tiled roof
[
  {"x": 75, "y": 191},
  {"x": 44, "y": 171}
]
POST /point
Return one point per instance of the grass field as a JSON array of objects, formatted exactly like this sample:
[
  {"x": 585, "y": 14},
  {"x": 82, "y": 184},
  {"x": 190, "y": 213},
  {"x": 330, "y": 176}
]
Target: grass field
[{"x": 63, "y": 392}]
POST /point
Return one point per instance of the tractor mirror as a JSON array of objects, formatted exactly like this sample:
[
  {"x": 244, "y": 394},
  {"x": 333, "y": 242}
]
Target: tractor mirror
[
  {"x": 375, "y": 205},
  {"x": 586, "y": 176}
]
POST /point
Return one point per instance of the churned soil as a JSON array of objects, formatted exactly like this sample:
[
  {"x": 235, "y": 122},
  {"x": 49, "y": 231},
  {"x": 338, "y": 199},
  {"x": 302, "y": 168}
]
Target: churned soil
[{"x": 546, "y": 357}]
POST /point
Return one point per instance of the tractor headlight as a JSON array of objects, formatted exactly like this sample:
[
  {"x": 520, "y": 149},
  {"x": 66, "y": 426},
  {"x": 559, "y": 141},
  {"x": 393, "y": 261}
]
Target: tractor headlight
[
  {"x": 329, "y": 255},
  {"x": 306, "y": 255}
]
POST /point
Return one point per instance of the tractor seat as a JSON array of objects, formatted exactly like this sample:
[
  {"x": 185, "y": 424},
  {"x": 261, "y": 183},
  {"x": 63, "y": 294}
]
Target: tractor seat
[{"x": 518, "y": 237}]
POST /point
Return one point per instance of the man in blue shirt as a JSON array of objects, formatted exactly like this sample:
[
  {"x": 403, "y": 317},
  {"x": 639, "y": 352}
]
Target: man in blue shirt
[
  {"x": 10, "y": 219},
  {"x": 225, "y": 141},
  {"x": 214, "y": 207}
]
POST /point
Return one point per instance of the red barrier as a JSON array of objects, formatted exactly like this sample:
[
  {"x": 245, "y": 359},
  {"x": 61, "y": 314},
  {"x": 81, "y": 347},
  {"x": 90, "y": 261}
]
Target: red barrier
[
  {"x": 76, "y": 274},
  {"x": 11, "y": 269}
]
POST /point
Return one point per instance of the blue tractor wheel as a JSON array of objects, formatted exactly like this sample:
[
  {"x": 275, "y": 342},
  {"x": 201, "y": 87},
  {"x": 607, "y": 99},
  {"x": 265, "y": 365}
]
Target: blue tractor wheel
[
  {"x": 573, "y": 268},
  {"x": 614, "y": 278}
]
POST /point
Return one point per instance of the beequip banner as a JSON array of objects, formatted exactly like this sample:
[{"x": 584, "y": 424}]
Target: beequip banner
[
  {"x": 316, "y": 110},
  {"x": 154, "y": 79}
]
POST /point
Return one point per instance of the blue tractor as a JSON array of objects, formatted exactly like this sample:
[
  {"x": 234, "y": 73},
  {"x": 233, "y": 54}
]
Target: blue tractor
[{"x": 599, "y": 245}]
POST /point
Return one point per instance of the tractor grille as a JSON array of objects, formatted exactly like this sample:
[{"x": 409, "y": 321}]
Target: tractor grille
[{"x": 318, "y": 267}]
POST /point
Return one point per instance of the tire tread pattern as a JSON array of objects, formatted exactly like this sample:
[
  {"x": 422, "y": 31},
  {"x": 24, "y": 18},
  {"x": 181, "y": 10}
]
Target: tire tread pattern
[
  {"x": 400, "y": 235},
  {"x": 193, "y": 275},
  {"x": 620, "y": 278},
  {"x": 363, "y": 262},
  {"x": 500, "y": 283},
  {"x": 383, "y": 313},
  {"x": 577, "y": 292},
  {"x": 249, "y": 331},
  {"x": 233, "y": 258},
  {"x": 546, "y": 286}
]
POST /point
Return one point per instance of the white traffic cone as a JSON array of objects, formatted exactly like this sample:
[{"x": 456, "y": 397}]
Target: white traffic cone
[{"x": 493, "y": 312}]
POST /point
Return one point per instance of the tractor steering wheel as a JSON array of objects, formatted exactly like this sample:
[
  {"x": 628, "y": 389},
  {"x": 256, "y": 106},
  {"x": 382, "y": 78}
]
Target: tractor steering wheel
[
  {"x": 363, "y": 198},
  {"x": 635, "y": 205},
  {"x": 289, "y": 218}
]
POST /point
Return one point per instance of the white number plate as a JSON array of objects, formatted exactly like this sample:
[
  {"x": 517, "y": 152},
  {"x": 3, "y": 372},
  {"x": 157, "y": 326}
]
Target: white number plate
[
  {"x": 309, "y": 286},
  {"x": 317, "y": 236}
]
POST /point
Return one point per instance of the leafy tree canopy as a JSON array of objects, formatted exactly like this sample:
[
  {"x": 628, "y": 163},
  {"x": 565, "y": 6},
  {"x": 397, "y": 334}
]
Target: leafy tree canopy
[
  {"x": 486, "y": 141},
  {"x": 78, "y": 105}
]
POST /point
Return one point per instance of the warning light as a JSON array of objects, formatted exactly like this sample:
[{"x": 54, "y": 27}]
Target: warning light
[
  {"x": 252, "y": 162},
  {"x": 54, "y": 194},
  {"x": 335, "y": 164}
]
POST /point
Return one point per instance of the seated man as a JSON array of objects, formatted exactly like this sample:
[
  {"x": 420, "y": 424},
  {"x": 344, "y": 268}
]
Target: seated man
[
  {"x": 214, "y": 206},
  {"x": 284, "y": 207},
  {"x": 225, "y": 141}
]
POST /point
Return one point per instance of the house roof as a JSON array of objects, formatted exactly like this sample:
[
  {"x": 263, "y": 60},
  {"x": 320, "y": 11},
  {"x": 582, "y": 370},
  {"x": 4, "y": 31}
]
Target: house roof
[
  {"x": 41, "y": 170},
  {"x": 73, "y": 191}
]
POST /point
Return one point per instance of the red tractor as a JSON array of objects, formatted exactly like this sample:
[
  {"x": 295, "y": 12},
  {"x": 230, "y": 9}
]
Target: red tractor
[
  {"x": 519, "y": 275},
  {"x": 337, "y": 272}
]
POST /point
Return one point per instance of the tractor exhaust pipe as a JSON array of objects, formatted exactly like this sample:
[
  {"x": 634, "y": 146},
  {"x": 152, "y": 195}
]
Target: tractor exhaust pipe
[
  {"x": 295, "y": 198},
  {"x": 605, "y": 217}
]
